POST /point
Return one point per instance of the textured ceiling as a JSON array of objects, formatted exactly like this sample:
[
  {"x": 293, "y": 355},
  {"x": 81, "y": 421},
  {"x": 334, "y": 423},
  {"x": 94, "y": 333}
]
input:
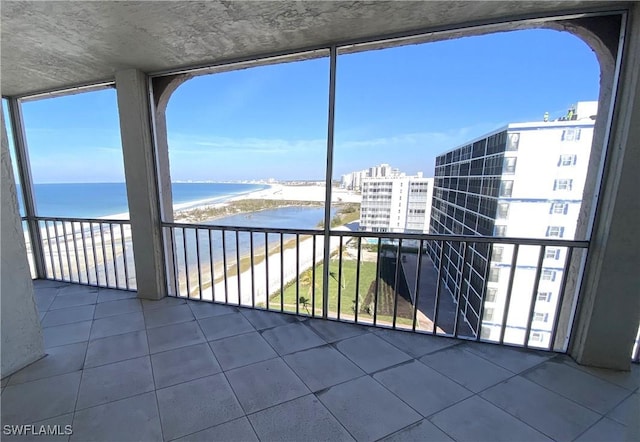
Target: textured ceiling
[{"x": 49, "y": 45}]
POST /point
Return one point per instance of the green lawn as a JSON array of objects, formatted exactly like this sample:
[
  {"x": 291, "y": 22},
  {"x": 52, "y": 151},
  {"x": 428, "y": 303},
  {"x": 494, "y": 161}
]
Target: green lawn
[{"x": 347, "y": 292}]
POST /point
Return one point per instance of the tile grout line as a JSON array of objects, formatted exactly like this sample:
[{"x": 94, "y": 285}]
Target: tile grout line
[
  {"x": 281, "y": 357},
  {"x": 513, "y": 375},
  {"x": 244, "y": 412},
  {"x": 153, "y": 378},
  {"x": 566, "y": 397},
  {"x": 583, "y": 369},
  {"x": 213, "y": 426},
  {"x": 520, "y": 374},
  {"x": 506, "y": 410},
  {"x": 590, "y": 427},
  {"x": 84, "y": 361},
  {"x": 119, "y": 399}
]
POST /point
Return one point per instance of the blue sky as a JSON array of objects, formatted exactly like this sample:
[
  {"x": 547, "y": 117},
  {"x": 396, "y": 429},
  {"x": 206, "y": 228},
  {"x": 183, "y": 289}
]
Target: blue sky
[{"x": 401, "y": 106}]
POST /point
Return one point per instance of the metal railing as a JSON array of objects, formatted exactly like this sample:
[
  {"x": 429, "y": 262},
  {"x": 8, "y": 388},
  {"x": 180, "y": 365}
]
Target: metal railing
[
  {"x": 95, "y": 252},
  {"x": 635, "y": 351},
  {"x": 394, "y": 280}
]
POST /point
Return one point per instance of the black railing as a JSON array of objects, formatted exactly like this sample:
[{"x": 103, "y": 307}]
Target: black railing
[
  {"x": 400, "y": 281},
  {"x": 95, "y": 252},
  {"x": 395, "y": 280}
]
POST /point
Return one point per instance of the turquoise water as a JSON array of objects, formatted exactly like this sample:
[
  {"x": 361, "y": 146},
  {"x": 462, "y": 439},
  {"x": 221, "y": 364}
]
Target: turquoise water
[
  {"x": 95, "y": 200},
  {"x": 99, "y": 200},
  {"x": 282, "y": 218}
]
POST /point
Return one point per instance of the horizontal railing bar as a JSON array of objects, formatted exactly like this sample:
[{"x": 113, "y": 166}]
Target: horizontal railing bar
[
  {"x": 391, "y": 235},
  {"x": 465, "y": 238},
  {"x": 245, "y": 229},
  {"x": 78, "y": 220}
]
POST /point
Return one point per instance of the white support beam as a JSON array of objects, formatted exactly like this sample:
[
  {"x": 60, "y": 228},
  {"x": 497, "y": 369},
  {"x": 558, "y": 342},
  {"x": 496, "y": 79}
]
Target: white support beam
[
  {"x": 142, "y": 186},
  {"x": 21, "y": 332},
  {"x": 609, "y": 310},
  {"x": 28, "y": 195}
]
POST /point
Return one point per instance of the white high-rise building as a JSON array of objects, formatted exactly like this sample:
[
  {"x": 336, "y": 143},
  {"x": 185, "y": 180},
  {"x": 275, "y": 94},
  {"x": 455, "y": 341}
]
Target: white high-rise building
[
  {"x": 396, "y": 203},
  {"x": 523, "y": 181},
  {"x": 353, "y": 180}
]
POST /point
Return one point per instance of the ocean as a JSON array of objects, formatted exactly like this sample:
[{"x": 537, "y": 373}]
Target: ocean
[{"x": 97, "y": 200}]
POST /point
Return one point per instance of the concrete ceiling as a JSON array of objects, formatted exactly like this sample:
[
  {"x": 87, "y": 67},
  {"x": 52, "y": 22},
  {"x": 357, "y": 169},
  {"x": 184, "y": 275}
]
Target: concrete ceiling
[{"x": 51, "y": 45}]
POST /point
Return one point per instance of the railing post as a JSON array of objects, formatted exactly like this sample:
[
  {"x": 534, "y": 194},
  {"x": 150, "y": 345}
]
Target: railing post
[
  {"x": 329, "y": 179},
  {"x": 28, "y": 198}
]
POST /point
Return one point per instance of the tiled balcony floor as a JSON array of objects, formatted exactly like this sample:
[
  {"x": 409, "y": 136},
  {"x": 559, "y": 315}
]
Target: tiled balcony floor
[{"x": 121, "y": 369}]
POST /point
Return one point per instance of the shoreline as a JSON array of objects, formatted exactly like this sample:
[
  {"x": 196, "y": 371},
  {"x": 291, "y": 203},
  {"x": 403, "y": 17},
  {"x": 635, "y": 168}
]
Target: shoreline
[
  {"x": 289, "y": 195},
  {"x": 194, "y": 204},
  {"x": 275, "y": 197}
]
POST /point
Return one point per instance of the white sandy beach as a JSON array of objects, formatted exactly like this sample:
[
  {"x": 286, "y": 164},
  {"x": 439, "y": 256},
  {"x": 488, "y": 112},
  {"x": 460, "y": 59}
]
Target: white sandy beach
[
  {"x": 53, "y": 256},
  {"x": 277, "y": 192},
  {"x": 301, "y": 193}
]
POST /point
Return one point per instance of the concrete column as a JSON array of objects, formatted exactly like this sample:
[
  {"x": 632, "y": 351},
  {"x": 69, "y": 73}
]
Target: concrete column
[
  {"x": 142, "y": 186},
  {"x": 609, "y": 312},
  {"x": 163, "y": 88},
  {"x": 21, "y": 331}
]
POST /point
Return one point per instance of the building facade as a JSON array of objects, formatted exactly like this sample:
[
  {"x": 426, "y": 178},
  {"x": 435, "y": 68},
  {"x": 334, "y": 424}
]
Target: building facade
[
  {"x": 353, "y": 180},
  {"x": 396, "y": 203},
  {"x": 525, "y": 180}
]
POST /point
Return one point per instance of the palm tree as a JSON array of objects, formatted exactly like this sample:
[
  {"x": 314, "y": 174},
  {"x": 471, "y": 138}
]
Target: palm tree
[
  {"x": 306, "y": 280},
  {"x": 305, "y": 303}
]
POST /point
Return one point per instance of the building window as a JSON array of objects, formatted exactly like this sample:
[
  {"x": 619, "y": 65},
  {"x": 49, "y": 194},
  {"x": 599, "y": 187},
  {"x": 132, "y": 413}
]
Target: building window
[
  {"x": 541, "y": 317},
  {"x": 562, "y": 184},
  {"x": 571, "y": 134},
  {"x": 494, "y": 274},
  {"x": 567, "y": 160},
  {"x": 559, "y": 208},
  {"x": 513, "y": 141},
  {"x": 506, "y": 188},
  {"x": 548, "y": 275},
  {"x": 497, "y": 253},
  {"x": 485, "y": 332},
  {"x": 503, "y": 210},
  {"x": 555, "y": 232},
  {"x": 491, "y": 294},
  {"x": 509, "y": 165},
  {"x": 544, "y": 296},
  {"x": 552, "y": 253},
  {"x": 488, "y": 314},
  {"x": 500, "y": 231},
  {"x": 536, "y": 336}
]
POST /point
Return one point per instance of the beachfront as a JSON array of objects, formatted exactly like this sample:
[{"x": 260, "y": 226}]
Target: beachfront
[
  {"x": 110, "y": 252},
  {"x": 277, "y": 195}
]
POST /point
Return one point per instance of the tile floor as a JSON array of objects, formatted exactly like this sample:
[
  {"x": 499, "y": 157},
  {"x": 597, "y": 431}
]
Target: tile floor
[{"x": 121, "y": 369}]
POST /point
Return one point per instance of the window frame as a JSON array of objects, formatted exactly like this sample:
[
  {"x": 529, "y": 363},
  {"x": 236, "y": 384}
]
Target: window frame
[{"x": 544, "y": 296}]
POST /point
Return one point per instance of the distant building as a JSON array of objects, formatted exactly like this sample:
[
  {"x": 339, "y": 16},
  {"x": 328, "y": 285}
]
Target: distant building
[
  {"x": 525, "y": 181},
  {"x": 396, "y": 203},
  {"x": 353, "y": 180}
]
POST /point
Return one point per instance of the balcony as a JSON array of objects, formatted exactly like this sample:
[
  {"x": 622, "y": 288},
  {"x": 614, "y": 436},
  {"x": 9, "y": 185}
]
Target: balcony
[
  {"x": 120, "y": 368},
  {"x": 238, "y": 355},
  {"x": 433, "y": 284}
]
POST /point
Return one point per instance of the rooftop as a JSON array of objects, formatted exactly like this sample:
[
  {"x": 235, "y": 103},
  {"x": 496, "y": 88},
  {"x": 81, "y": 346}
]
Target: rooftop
[{"x": 120, "y": 368}]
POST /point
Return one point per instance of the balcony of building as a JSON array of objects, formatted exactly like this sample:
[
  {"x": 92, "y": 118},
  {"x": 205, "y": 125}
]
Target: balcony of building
[
  {"x": 121, "y": 368},
  {"x": 130, "y": 330}
]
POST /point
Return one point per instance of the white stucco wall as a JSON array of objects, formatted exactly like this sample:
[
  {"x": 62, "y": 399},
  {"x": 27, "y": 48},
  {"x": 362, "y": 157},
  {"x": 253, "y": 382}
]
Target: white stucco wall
[{"x": 20, "y": 330}]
